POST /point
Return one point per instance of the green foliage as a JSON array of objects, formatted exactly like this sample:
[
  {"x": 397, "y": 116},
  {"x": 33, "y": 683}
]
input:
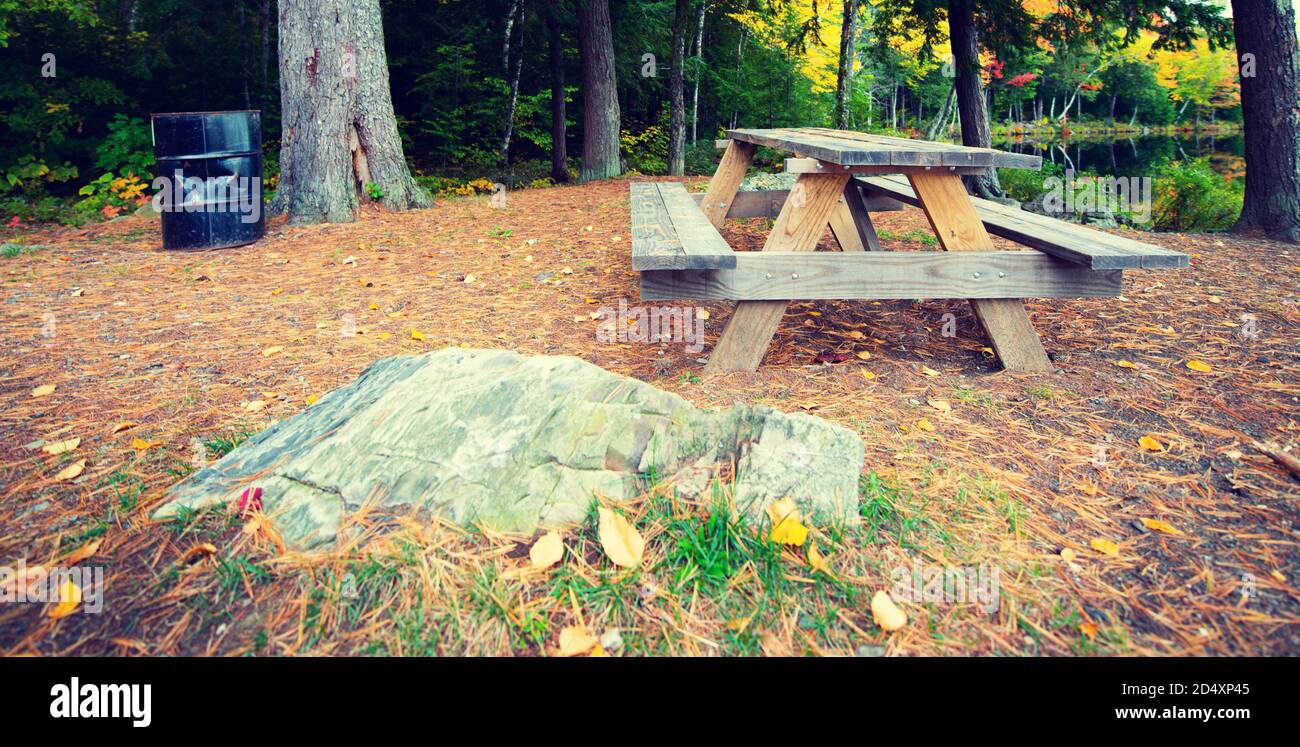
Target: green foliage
[
  {"x": 374, "y": 191},
  {"x": 128, "y": 149},
  {"x": 1190, "y": 196}
]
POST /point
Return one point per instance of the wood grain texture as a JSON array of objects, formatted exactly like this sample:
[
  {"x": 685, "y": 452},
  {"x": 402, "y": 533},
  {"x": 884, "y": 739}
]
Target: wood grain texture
[
  {"x": 959, "y": 229},
  {"x": 1095, "y": 249},
  {"x": 804, "y": 165},
  {"x": 851, "y": 222},
  {"x": 702, "y": 244},
  {"x": 799, "y": 276},
  {"x": 801, "y": 223},
  {"x": 848, "y": 148},
  {"x": 726, "y": 181},
  {"x": 670, "y": 233},
  {"x": 766, "y": 203}
]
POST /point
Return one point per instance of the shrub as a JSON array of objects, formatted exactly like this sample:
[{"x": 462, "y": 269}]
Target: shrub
[
  {"x": 127, "y": 149},
  {"x": 1190, "y": 196}
]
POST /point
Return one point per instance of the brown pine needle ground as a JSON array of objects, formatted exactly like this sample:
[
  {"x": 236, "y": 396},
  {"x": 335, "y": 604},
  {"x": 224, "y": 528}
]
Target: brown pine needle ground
[{"x": 184, "y": 345}]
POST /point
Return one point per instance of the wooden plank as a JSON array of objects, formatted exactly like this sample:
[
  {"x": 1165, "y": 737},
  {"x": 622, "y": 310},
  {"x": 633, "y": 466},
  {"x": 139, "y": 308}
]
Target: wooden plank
[
  {"x": 799, "y": 226},
  {"x": 956, "y": 155},
  {"x": 1096, "y": 249},
  {"x": 816, "y": 148},
  {"x": 816, "y": 166},
  {"x": 884, "y": 275},
  {"x": 851, "y": 223},
  {"x": 848, "y": 148},
  {"x": 655, "y": 245},
  {"x": 726, "y": 181},
  {"x": 936, "y": 154},
  {"x": 766, "y": 203},
  {"x": 959, "y": 229},
  {"x": 701, "y": 242}
]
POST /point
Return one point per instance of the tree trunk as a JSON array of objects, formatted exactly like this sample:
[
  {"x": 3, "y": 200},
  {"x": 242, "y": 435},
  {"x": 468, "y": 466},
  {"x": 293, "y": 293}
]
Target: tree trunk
[
  {"x": 699, "y": 68},
  {"x": 514, "y": 42},
  {"x": 1270, "y": 106},
  {"x": 559, "y": 122},
  {"x": 600, "y": 116},
  {"x": 844, "y": 79},
  {"x": 970, "y": 93},
  {"x": 677, "y": 93},
  {"x": 339, "y": 131}
]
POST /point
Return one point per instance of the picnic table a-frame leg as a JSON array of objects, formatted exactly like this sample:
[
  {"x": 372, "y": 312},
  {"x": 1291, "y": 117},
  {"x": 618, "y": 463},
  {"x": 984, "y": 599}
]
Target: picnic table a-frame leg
[
  {"x": 800, "y": 225},
  {"x": 958, "y": 227},
  {"x": 851, "y": 223}
]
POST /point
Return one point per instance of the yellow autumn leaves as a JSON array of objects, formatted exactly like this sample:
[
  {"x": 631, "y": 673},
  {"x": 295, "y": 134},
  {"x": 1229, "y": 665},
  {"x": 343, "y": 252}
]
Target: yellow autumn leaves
[{"x": 622, "y": 543}]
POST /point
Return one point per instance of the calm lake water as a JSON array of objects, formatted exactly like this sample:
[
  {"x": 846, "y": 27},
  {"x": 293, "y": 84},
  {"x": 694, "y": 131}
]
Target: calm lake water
[{"x": 1137, "y": 156}]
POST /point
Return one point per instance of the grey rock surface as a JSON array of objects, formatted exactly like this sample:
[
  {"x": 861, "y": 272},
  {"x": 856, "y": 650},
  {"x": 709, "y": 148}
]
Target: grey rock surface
[{"x": 514, "y": 443}]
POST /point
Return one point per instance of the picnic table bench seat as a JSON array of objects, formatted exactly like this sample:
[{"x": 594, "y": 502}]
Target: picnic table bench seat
[
  {"x": 1096, "y": 249},
  {"x": 670, "y": 233}
]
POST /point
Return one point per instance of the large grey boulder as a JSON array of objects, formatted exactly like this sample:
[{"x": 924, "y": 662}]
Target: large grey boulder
[{"x": 514, "y": 443}]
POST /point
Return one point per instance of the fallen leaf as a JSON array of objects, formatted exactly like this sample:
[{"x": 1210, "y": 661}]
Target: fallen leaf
[
  {"x": 830, "y": 356},
  {"x": 925, "y": 425},
  {"x": 470, "y": 278},
  {"x": 622, "y": 542},
  {"x": 69, "y": 598},
  {"x": 816, "y": 560},
  {"x": 253, "y": 406},
  {"x": 868, "y": 375},
  {"x": 272, "y": 350},
  {"x": 575, "y": 640},
  {"x": 1126, "y": 364},
  {"x": 416, "y": 335},
  {"x": 887, "y": 614},
  {"x": 786, "y": 526},
  {"x": 1089, "y": 629},
  {"x": 1201, "y": 366},
  {"x": 250, "y": 499},
  {"x": 930, "y": 371},
  {"x": 1105, "y": 546},
  {"x": 1151, "y": 443},
  {"x": 81, "y": 553},
  {"x": 1067, "y": 554},
  {"x": 1160, "y": 526},
  {"x": 940, "y": 405},
  {"x": 199, "y": 552},
  {"x": 139, "y": 444},
  {"x": 60, "y": 447},
  {"x": 43, "y": 390},
  {"x": 72, "y": 470},
  {"x": 124, "y": 425},
  {"x": 702, "y": 314},
  {"x": 312, "y": 399},
  {"x": 277, "y": 291},
  {"x": 546, "y": 551},
  {"x": 864, "y": 355}
]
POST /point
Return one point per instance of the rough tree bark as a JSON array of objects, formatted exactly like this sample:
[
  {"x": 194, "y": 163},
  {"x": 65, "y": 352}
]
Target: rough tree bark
[
  {"x": 600, "y": 117},
  {"x": 971, "y": 107},
  {"x": 339, "y": 131},
  {"x": 677, "y": 93},
  {"x": 844, "y": 79},
  {"x": 559, "y": 121},
  {"x": 1270, "y": 107}
]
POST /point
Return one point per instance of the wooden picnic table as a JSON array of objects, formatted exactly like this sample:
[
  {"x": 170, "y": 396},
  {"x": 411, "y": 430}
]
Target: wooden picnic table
[{"x": 842, "y": 176}]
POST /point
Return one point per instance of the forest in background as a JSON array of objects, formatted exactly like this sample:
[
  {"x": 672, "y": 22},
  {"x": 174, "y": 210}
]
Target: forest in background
[{"x": 472, "y": 83}]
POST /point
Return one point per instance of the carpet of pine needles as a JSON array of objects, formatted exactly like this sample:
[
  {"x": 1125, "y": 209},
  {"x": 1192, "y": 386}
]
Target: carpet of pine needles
[{"x": 1023, "y": 472}]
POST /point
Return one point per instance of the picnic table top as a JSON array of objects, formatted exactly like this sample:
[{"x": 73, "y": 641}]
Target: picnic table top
[{"x": 849, "y": 148}]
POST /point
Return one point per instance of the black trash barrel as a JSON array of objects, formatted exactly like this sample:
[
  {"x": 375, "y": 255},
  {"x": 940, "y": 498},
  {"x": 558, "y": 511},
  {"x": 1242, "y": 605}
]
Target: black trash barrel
[{"x": 210, "y": 166}]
